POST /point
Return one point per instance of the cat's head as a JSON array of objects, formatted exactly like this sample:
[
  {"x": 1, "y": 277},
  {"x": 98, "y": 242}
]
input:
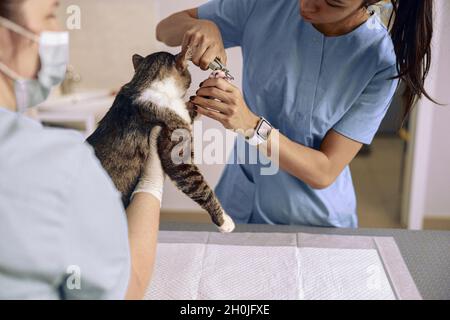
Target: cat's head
[{"x": 159, "y": 67}]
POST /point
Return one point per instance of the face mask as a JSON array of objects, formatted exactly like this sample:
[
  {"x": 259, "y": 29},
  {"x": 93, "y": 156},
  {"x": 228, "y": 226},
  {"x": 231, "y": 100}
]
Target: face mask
[{"x": 54, "y": 57}]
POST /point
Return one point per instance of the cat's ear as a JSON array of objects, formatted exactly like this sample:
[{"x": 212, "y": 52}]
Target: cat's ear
[
  {"x": 137, "y": 59},
  {"x": 181, "y": 60}
]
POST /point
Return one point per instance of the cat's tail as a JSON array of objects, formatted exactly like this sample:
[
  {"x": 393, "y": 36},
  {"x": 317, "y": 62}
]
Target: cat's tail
[{"x": 188, "y": 178}]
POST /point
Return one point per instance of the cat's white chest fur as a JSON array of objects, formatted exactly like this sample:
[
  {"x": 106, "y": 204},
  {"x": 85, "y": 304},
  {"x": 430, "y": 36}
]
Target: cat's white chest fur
[{"x": 167, "y": 94}]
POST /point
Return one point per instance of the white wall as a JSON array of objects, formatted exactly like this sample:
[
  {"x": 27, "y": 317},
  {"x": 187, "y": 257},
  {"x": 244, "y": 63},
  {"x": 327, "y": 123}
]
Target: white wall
[
  {"x": 438, "y": 191},
  {"x": 429, "y": 179},
  {"x": 111, "y": 32}
]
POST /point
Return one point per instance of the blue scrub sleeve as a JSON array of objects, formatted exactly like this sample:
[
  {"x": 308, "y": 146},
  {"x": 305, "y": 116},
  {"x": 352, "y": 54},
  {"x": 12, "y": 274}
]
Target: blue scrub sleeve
[
  {"x": 230, "y": 16},
  {"x": 96, "y": 233},
  {"x": 362, "y": 120}
]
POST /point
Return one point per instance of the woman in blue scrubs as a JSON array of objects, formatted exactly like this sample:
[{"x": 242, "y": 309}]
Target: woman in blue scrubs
[
  {"x": 322, "y": 74},
  {"x": 64, "y": 231}
]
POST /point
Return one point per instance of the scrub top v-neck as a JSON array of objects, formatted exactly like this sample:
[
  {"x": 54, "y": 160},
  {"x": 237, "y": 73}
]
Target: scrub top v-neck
[{"x": 305, "y": 84}]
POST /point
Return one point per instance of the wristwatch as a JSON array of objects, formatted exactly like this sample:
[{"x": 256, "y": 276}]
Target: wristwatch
[{"x": 261, "y": 133}]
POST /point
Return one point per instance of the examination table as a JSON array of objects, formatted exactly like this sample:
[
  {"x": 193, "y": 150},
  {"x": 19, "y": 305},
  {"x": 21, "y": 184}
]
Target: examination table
[{"x": 425, "y": 254}]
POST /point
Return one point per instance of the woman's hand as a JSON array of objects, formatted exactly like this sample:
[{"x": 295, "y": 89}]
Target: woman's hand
[
  {"x": 152, "y": 181},
  {"x": 143, "y": 216},
  {"x": 226, "y": 105},
  {"x": 204, "y": 43}
]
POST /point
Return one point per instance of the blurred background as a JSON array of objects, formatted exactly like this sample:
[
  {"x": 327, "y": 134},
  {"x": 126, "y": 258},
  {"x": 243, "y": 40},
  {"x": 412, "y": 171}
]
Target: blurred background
[{"x": 402, "y": 180}]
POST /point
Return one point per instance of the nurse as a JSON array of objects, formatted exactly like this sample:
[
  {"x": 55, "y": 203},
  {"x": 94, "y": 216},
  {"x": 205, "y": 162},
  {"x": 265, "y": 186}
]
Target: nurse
[
  {"x": 319, "y": 75},
  {"x": 64, "y": 231}
]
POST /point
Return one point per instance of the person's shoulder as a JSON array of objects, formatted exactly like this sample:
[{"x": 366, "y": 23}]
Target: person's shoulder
[
  {"x": 381, "y": 44},
  {"x": 51, "y": 157},
  {"x": 27, "y": 141}
]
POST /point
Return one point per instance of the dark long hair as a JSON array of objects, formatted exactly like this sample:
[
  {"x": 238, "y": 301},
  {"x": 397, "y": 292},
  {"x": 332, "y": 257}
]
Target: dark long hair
[
  {"x": 411, "y": 28},
  {"x": 11, "y": 9}
]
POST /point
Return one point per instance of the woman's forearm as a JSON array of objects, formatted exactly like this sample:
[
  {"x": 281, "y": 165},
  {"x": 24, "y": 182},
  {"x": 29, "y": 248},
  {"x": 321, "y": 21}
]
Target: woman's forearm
[
  {"x": 172, "y": 29},
  {"x": 316, "y": 168},
  {"x": 143, "y": 216},
  {"x": 311, "y": 166}
]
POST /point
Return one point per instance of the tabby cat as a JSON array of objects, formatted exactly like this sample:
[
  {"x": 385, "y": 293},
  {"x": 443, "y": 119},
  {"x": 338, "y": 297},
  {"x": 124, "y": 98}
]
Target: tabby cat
[{"x": 154, "y": 97}]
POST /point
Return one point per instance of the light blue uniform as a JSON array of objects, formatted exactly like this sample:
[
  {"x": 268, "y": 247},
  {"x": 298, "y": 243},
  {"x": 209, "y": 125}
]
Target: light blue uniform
[
  {"x": 60, "y": 214},
  {"x": 305, "y": 84}
]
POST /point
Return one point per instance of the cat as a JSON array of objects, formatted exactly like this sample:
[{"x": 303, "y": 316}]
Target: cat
[{"x": 154, "y": 97}]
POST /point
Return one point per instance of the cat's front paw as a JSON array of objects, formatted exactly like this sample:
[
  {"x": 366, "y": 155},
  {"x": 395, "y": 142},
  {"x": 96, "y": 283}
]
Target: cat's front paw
[{"x": 228, "y": 225}]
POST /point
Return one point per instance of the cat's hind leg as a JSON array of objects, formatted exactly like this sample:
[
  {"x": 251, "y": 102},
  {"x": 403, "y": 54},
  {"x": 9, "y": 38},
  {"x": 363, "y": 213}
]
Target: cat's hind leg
[
  {"x": 228, "y": 224},
  {"x": 188, "y": 178}
]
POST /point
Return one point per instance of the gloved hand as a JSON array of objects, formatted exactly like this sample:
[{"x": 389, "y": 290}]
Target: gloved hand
[{"x": 152, "y": 180}]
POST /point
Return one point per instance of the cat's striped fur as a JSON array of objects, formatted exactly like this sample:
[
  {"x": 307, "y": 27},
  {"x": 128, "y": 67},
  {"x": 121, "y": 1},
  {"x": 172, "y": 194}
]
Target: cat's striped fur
[{"x": 154, "y": 97}]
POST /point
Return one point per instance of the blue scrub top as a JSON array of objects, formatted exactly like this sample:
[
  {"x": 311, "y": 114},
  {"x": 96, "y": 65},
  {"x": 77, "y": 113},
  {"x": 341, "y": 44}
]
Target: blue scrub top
[
  {"x": 305, "y": 84},
  {"x": 61, "y": 218}
]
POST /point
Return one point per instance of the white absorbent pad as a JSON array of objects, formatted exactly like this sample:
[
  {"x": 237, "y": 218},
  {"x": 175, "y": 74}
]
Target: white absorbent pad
[{"x": 274, "y": 266}]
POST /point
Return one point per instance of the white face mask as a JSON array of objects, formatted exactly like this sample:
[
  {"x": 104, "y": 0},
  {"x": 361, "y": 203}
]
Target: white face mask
[{"x": 54, "y": 57}]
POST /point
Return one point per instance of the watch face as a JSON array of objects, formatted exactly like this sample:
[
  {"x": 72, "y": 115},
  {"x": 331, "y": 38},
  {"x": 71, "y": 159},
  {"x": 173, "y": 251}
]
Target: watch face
[{"x": 264, "y": 130}]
